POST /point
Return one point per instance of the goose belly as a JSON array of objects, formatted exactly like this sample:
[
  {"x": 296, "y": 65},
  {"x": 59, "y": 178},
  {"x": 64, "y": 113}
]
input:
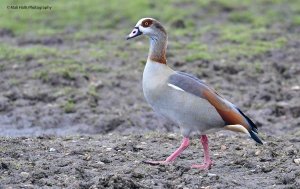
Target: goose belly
[{"x": 190, "y": 112}]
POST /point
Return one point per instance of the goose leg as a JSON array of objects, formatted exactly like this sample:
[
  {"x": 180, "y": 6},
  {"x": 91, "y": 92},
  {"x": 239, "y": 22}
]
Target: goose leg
[
  {"x": 207, "y": 161},
  {"x": 185, "y": 143}
]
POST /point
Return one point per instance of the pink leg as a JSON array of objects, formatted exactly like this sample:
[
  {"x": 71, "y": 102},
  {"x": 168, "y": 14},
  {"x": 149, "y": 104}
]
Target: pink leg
[
  {"x": 207, "y": 161},
  {"x": 185, "y": 143}
]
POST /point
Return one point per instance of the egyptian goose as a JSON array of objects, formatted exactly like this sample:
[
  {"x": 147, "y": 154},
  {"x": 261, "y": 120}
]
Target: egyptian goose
[{"x": 185, "y": 99}]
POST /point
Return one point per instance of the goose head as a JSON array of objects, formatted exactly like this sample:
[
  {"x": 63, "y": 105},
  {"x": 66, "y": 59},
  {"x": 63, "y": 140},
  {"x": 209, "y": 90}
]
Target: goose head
[{"x": 149, "y": 27}]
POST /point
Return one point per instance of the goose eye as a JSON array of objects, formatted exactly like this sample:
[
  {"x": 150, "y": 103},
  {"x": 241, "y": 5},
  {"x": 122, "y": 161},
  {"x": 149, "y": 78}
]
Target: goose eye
[{"x": 146, "y": 23}]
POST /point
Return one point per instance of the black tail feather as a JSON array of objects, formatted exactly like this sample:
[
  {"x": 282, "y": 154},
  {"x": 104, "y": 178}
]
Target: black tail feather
[
  {"x": 255, "y": 137},
  {"x": 253, "y": 126},
  {"x": 253, "y": 131}
]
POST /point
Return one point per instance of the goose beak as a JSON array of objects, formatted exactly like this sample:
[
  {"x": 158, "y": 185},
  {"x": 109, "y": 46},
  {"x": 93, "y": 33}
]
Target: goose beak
[{"x": 135, "y": 32}]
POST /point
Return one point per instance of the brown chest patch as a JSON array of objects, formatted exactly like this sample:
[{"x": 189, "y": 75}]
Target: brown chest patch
[{"x": 159, "y": 59}]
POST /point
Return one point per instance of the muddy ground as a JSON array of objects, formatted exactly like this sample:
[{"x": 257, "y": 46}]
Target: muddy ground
[
  {"x": 84, "y": 123},
  {"x": 115, "y": 161}
]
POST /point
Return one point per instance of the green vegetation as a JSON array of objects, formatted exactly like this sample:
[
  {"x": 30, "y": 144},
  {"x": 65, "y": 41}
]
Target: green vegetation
[
  {"x": 62, "y": 68},
  {"x": 243, "y": 17},
  {"x": 64, "y": 91},
  {"x": 9, "y": 52},
  {"x": 69, "y": 106},
  {"x": 250, "y": 48},
  {"x": 100, "y": 27},
  {"x": 92, "y": 90},
  {"x": 14, "y": 81},
  {"x": 2, "y": 67},
  {"x": 258, "y": 67},
  {"x": 199, "y": 56},
  {"x": 200, "y": 52},
  {"x": 91, "y": 14}
]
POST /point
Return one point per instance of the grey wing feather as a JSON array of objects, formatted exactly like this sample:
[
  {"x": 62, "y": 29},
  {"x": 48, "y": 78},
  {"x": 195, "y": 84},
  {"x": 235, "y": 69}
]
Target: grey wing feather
[
  {"x": 188, "y": 83},
  {"x": 190, "y": 76},
  {"x": 195, "y": 86}
]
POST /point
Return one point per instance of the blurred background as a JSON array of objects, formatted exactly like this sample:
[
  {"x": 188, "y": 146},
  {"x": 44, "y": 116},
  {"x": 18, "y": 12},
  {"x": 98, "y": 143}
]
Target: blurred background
[{"x": 69, "y": 70}]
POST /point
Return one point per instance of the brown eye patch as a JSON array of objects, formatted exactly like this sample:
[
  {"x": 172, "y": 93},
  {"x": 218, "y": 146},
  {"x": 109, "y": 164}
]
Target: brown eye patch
[{"x": 146, "y": 23}]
